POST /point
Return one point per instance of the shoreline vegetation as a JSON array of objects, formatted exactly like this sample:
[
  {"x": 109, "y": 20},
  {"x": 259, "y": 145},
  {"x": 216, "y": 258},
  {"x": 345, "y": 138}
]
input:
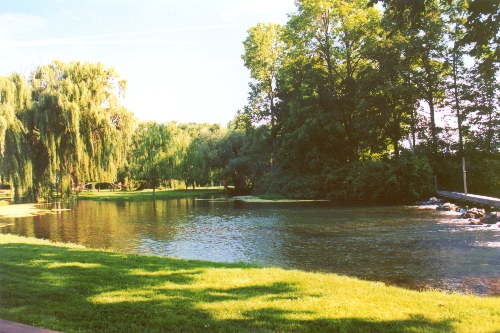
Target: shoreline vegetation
[
  {"x": 148, "y": 194},
  {"x": 200, "y": 193},
  {"x": 70, "y": 288}
]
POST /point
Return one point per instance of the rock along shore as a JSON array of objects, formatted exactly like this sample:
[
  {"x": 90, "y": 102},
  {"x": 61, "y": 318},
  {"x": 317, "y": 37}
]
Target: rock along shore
[{"x": 474, "y": 216}]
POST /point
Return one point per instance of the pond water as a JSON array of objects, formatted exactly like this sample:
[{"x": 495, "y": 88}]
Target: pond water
[{"x": 405, "y": 246}]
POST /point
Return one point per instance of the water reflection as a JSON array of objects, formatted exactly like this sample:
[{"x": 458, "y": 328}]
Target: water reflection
[{"x": 404, "y": 246}]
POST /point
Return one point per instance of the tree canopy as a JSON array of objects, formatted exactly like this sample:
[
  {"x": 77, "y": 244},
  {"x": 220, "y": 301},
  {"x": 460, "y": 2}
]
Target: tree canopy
[
  {"x": 355, "y": 85},
  {"x": 72, "y": 130}
]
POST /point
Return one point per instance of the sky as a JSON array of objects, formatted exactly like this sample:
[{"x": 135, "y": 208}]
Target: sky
[{"x": 181, "y": 59}]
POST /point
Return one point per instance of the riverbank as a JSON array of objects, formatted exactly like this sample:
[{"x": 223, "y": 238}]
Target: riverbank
[
  {"x": 19, "y": 210},
  {"x": 73, "y": 289},
  {"x": 263, "y": 199},
  {"x": 106, "y": 195},
  {"x": 218, "y": 192},
  {"x": 22, "y": 210}
]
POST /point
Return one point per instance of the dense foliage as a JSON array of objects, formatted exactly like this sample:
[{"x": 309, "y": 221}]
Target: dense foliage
[
  {"x": 65, "y": 127},
  {"x": 369, "y": 104},
  {"x": 348, "y": 101}
]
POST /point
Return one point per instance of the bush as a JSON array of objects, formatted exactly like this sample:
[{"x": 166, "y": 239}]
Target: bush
[
  {"x": 402, "y": 180},
  {"x": 290, "y": 185},
  {"x": 483, "y": 174},
  {"x": 483, "y": 177}
]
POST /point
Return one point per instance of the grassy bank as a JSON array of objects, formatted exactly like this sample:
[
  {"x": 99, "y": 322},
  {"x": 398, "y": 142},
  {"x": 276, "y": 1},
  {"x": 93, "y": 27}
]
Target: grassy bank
[
  {"x": 148, "y": 194},
  {"x": 73, "y": 289}
]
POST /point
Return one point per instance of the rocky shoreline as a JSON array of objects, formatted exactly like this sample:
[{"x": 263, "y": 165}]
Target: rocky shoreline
[{"x": 474, "y": 216}]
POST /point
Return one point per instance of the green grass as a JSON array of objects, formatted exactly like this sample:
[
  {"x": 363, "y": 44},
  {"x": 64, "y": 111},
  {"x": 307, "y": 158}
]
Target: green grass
[
  {"x": 267, "y": 196},
  {"x": 73, "y": 289},
  {"x": 148, "y": 194}
]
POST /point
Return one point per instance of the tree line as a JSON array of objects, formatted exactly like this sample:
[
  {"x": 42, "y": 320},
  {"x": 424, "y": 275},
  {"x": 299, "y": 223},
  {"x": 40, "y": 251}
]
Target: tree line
[
  {"x": 348, "y": 101},
  {"x": 65, "y": 127},
  {"x": 366, "y": 103}
]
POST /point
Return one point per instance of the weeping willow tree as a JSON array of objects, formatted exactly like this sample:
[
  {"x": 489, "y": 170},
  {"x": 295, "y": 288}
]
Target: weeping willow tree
[
  {"x": 153, "y": 153},
  {"x": 15, "y": 162},
  {"x": 77, "y": 123},
  {"x": 192, "y": 165}
]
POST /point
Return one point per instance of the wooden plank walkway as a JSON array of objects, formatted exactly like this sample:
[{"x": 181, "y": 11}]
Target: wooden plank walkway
[{"x": 473, "y": 198}]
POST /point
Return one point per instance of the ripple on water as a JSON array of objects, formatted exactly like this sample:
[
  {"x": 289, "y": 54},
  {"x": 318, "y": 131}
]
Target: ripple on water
[
  {"x": 406, "y": 246},
  {"x": 488, "y": 244}
]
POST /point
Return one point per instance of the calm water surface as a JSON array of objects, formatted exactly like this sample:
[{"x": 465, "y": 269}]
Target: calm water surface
[{"x": 405, "y": 246}]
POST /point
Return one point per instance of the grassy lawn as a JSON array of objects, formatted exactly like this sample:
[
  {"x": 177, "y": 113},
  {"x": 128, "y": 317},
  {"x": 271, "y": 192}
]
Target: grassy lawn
[
  {"x": 148, "y": 194},
  {"x": 73, "y": 289}
]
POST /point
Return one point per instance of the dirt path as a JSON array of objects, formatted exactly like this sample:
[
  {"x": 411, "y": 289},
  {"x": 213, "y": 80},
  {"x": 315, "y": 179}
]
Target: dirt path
[{"x": 12, "y": 327}]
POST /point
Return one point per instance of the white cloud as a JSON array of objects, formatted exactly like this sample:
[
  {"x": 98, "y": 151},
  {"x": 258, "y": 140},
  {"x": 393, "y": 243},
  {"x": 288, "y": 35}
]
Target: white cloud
[
  {"x": 258, "y": 8},
  {"x": 266, "y": 5},
  {"x": 98, "y": 39},
  {"x": 84, "y": 40},
  {"x": 14, "y": 26},
  {"x": 228, "y": 16}
]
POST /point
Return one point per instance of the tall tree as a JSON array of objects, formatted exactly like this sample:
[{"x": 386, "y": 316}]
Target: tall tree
[
  {"x": 263, "y": 47},
  {"x": 152, "y": 154},
  {"x": 15, "y": 162},
  {"x": 484, "y": 107},
  {"x": 421, "y": 21},
  {"x": 191, "y": 168},
  {"x": 428, "y": 40},
  {"x": 78, "y": 118},
  {"x": 330, "y": 37},
  {"x": 384, "y": 104},
  {"x": 483, "y": 37},
  {"x": 236, "y": 166},
  {"x": 483, "y": 29},
  {"x": 210, "y": 136},
  {"x": 455, "y": 18}
]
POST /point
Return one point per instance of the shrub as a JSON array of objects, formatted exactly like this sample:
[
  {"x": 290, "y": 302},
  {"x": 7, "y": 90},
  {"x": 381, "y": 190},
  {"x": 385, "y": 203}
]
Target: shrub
[{"x": 395, "y": 181}]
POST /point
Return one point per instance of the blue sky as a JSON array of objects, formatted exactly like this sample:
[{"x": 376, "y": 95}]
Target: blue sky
[{"x": 181, "y": 59}]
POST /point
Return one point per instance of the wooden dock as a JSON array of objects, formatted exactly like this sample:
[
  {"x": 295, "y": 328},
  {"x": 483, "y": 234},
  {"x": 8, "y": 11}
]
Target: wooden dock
[{"x": 472, "y": 198}]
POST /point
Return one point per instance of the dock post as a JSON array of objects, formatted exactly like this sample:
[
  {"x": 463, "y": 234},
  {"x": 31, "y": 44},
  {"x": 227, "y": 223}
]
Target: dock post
[{"x": 465, "y": 176}]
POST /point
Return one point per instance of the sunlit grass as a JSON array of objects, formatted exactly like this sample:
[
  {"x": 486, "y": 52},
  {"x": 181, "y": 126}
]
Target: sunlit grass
[
  {"x": 148, "y": 194},
  {"x": 73, "y": 289}
]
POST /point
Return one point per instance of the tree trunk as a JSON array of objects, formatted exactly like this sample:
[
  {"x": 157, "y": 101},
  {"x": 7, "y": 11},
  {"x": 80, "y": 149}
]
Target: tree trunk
[
  {"x": 273, "y": 131},
  {"x": 457, "y": 107},
  {"x": 395, "y": 139},
  {"x": 430, "y": 102},
  {"x": 37, "y": 191}
]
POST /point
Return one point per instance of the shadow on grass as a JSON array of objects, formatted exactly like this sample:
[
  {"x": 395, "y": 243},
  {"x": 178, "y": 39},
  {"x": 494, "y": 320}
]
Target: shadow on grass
[{"x": 75, "y": 290}]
